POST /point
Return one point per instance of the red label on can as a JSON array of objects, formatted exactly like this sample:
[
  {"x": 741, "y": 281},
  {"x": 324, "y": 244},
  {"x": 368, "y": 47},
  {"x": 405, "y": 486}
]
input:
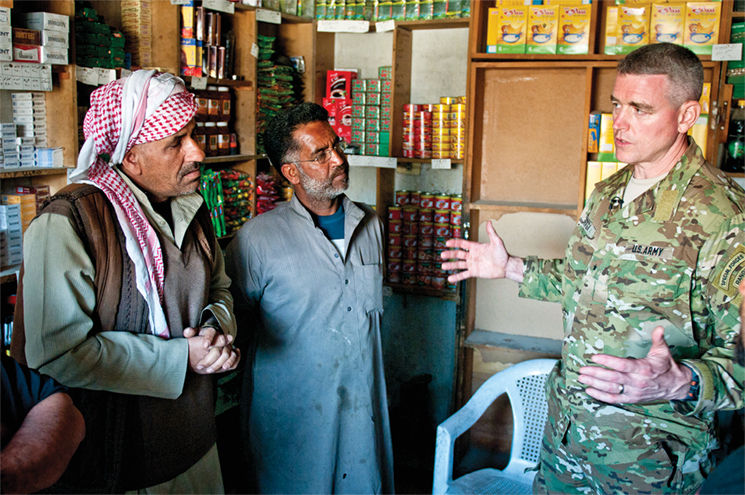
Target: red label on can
[
  {"x": 442, "y": 216},
  {"x": 440, "y": 242},
  {"x": 394, "y": 226},
  {"x": 426, "y": 214},
  {"x": 394, "y": 213},
  {"x": 438, "y": 282},
  {"x": 442, "y": 230},
  {"x": 424, "y": 267},
  {"x": 394, "y": 265},
  {"x": 442, "y": 202},
  {"x": 424, "y": 279},
  {"x": 410, "y": 253},
  {"x": 410, "y": 240},
  {"x": 394, "y": 277},
  {"x": 402, "y": 198},
  {"x": 410, "y": 213},
  {"x": 409, "y": 266},
  {"x": 456, "y": 218},
  {"x": 394, "y": 239},
  {"x": 426, "y": 201},
  {"x": 394, "y": 253},
  {"x": 457, "y": 232},
  {"x": 456, "y": 203},
  {"x": 414, "y": 198},
  {"x": 427, "y": 229},
  {"x": 426, "y": 241},
  {"x": 424, "y": 254}
]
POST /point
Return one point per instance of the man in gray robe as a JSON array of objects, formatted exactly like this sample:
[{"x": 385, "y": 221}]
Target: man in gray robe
[{"x": 309, "y": 275}]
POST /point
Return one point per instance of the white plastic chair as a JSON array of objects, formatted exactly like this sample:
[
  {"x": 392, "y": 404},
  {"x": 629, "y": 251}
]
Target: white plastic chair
[{"x": 525, "y": 386}]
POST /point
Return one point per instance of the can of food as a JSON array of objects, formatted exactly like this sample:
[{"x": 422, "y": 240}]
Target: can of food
[
  {"x": 455, "y": 218},
  {"x": 410, "y": 253},
  {"x": 424, "y": 115},
  {"x": 440, "y": 146},
  {"x": 424, "y": 266},
  {"x": 426, "y": 200},
  {"x": 395, "y": 252},
  {"x": 426, "y": 214},
  {"x": 424, "y": 253},
  {"x": 440, "y": 116},
  {"x": 394, "y": 277},
  {"x": 438, "y": 282},
  {"x": 442, "y": 216},
  {"x": 427, "y": 107},
  {"x": 439, "y": 242},
  {"x": 414, "y": 198},
  {"x": 394, "y": 265},
  {"x": 394, "y": 213},
  {"x": 424, "y": 279},
  {"x": 402, "y": 198},
  {"x": 406, "y": 228},
  {"x": 394, "y": 226},
  {"x": 458, "y": 108},
  {"x": 457, "y": 231},
  {"x": 421, "y": 146},
  {"x": 448, "y": 100},
  {"x": 422, "y": 153},
  {"x": 439, "y": 137},
  {"x": 462, "y": 100},
  {"x": 440, "y": 124},
  {"x": 456, "y": 202},
  {"x": 408, "y": 153},
  {"x": 408, "y": 278},
  {"x": 426, "y": 241},
  {"x": 442, "y": 202},
  {"x": 408, "y": 266},
  {"x": 411, "y": 107},
  {"x": 410, "y": 115},
  {"x": 426, "y": 228},
  {"x": 437, "y": 267},
  {"x": 410, "y": 240},
  {"x": 440, "y": 155},
  {"x": 408, "y": 146},
  {"x": 414, "y": 228},
  {"x": 457, "y": 155},
  {"x": 395, "y": 240},
  {"x": 409, "y": 213},
  {"x": 441, "y": 230}
]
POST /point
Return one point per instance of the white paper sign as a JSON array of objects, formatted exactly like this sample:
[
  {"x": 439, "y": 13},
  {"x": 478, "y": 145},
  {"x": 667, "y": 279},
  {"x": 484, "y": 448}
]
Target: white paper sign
[
  {"x": 199, "y": 82},
  {"x": 86, "y": 75},
  {"x": 269, "y": 16},
  {"x": 255, "y": 50},
  {"x": 180, "y": 2},
  {"x": 343, "y": 26},
  {"x": 105, "y": 76},
  {"x": 371, "y": 161},
  {"x": 444, "y": 163},
  {"x": 219, "y": 5},
  {"x": 383, "y": 26},
  {"x": 733, "y": 51},
  {"x": 126, "y": 73}
]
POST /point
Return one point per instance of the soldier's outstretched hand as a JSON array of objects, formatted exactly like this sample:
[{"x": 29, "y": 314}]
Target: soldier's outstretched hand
[
  {"x": 482, "y": 260},
  {"x": 627, "y": 380}
]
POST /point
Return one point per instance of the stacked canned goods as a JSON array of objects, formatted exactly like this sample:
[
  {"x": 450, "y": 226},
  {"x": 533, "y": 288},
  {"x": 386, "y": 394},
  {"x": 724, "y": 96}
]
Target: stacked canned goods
[
  {"x": 419, "y": 225},
  {"x": 417, "y": 131},
  {"x": 449, "y": 128},
  {"x": 371, "y": 113}
]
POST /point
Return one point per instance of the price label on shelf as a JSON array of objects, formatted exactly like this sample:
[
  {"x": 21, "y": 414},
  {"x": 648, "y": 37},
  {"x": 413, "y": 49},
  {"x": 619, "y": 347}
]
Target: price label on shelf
[
  {"x": 343, "y": 26},
  {"x": 269, "y": 16},
  {"x": 371, "y": 161},
  {"x": 86, "y": 75},
  {"x": 105, "y": 76},
  {"x": 383, "y": 26},
  {"x": 199, "y": 82},
  {"x": 219, "y": 5},
  {"x": 732, "y": 51},
  {"x": 442, "y": 164},
  {"x": 181, "y": 2}
]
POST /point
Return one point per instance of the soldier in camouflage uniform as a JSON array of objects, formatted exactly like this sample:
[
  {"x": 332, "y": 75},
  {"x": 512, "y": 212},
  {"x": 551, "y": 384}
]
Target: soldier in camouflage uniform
[{"x": 649, "y": 293}]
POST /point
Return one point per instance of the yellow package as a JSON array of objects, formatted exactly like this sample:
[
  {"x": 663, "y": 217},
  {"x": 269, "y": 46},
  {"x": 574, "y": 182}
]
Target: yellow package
[
  {"x": 574, "y": 29},
  {"x": 611, "y": 30},
  {"x": 492, "y": 31},
  {"x": 594, "y": 170},
  {"x": 543, "y": 24},
  {"x": 705, "y": 98},
  {"x": 702, "y": 26},
  {"x": 513, "y": 23},
  {"x": 606, "y": 144},
  {"x": 700, "y": 132},
  {"x": 512, "y": 3},
  {"x": 668, "y": 21},
  {"x": 608, "y": 169},
  {"x": 633, "y": 27}
]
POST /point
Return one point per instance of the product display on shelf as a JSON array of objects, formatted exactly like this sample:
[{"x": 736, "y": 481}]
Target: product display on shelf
[
  {"x": 266, "y": 193},
  {"x": 96, "y": 43},
  {"x": 418, "y": 226},
  {"x": 435, "y": 130},
  {"x": 237, "y": 190},
  {"x": 211, "y": 189},
  {"x": 205, "y": 50},
  {"x": 279, "y": 86},
  {"x": 401, "y": 10},
  {"x": 362, "y": 108}
]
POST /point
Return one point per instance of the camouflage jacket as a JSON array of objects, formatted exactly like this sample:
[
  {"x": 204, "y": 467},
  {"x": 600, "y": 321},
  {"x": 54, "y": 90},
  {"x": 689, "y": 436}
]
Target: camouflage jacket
[{"x": 672, "y": 257}]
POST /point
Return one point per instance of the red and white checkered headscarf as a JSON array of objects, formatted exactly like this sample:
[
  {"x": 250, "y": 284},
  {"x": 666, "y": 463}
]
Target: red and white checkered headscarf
[{"x": 144, "y": 107}]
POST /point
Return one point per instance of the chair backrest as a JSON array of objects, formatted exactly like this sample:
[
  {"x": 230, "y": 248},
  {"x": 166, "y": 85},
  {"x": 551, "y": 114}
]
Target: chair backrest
[{"x": 527, "y": 394}]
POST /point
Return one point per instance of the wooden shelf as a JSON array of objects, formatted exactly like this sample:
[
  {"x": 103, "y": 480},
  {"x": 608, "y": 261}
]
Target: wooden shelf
[
  {"x": 447, "y": 295},
  {"x": 485, "y": 338},
  {"x": 739, "y": 175},
  {"x": 32, "y": 171},
  {"x": 237, "y": 84},
  {"x": 460, "y": 22},
  {"x": 480, "y": 57},
  {"x": 505, "y": 206},
  {"x": 9, "y": 274},
  {"x": 231, "y": 158},
  {"x": 239, "y": 7},
  {"x": 426, "y": 160}
]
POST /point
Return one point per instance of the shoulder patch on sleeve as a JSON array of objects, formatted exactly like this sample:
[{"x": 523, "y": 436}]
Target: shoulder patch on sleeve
[{"x": 728, "y": 279}]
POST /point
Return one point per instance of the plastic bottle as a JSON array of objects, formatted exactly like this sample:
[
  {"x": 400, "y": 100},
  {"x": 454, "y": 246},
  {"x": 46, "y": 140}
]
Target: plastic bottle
[
  {"x": 224, "y": 96},
  {"x": 735, "y": 160},
  {"x": 200, "y": 136},
  {"x": 213, "y": 104}
]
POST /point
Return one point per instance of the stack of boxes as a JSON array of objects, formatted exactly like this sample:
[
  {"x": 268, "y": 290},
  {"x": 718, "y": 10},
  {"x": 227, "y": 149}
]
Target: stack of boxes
[
  {"x": 44, "y": 38},
  {"x": 9, "y": 156},
  {"x": 379, "y": 10},
  {"x": 418, "y": 228},
  {"x": 27, "y": 204},
  {"x": 30, "y": 117},
  {"x": 6, "y": 35},
  {"x": 11, "y": 235},
  {"x": 137, "y": 24},
  {"x": 96, "y": 43},
  {"x": 203, "y": 54},
  {"x": 371, "y": 113},
  {"x": 338, "y": 101}
]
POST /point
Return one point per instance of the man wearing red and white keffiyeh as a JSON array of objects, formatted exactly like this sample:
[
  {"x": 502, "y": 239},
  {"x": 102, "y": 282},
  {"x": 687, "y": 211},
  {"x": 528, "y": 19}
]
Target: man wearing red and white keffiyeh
[{"x": 124, "y": 296}]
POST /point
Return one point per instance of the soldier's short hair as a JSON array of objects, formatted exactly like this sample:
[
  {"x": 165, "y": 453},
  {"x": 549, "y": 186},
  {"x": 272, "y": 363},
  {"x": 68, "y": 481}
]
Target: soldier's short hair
[
  {"x": 278, "y": 140},
  {"x": 682, "y": 67}
]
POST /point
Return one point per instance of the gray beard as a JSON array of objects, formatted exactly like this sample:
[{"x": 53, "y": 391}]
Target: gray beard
[{"x": 320, "y": 190}]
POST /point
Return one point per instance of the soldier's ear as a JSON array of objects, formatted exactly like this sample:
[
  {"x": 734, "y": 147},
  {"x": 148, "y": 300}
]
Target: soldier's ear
[
  {"x": 131, "y": 164},
  {"x": 688, "y": 115}
]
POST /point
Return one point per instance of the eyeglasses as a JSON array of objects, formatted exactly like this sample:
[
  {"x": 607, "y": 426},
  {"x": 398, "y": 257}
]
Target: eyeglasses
[{"x": 325, "y": 155}]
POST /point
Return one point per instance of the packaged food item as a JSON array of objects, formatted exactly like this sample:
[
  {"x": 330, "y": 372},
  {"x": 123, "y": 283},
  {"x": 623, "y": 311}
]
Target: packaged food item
[
  {"x": 667, "y": 23},
  {"x": 702, "y": 26},
  {"x": 574, "y": 29},
  {"x": 633, "y": 27},
  {"x": 543, "y": 25}
]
